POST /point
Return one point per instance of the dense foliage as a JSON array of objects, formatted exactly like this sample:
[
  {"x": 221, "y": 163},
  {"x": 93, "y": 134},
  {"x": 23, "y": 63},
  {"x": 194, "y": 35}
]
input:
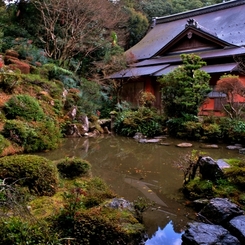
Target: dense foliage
[
  {"x": 38, "y": 174},
  {"x": 33, "y": 136},
  {"x": 73, "y": 167},
  {"x": 185, "y": 88},
  {"x": 144, "y": 120},
  {"x": 234, "y": 89},
  {"x": 24, "y": 106},
  {"x": 15, "y": 231},
  {"x": 208, "y": 129},
  {"x": 158, "y": 8}
]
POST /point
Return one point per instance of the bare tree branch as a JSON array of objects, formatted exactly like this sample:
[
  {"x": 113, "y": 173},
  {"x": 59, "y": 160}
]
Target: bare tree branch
[
  {"x": 71, "y": 27},
  {"x": 235, "y": 95}
]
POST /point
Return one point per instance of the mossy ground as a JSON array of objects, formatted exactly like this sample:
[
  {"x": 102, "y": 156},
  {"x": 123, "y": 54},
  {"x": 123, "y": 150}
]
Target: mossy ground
[
  {"x": 77, "y": 210},
  {"x": 231, "y": 186}
]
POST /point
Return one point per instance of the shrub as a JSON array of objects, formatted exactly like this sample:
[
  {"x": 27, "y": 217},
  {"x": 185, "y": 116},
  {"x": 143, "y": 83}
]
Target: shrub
[
  {"x": 33, "y": 137},
  {"x": 28, "y": 51},
  {"x": 176, "y": 127},
  {"x": 211, "y": 132},
  {"x": 3, "y": 143},
  {"x": 37, "y": 173},
  {"x": 15, "y": 231},
  {"x": 9, "y": 81},
  {"x": 24, "y": 106},
  {"x": 144, "y": 120},
  {"x": 147, "y": 99},
  {"x": 73, "y": 167},
  {"x": 193, "y": 129},
  {"x": 232, "y": 130}
]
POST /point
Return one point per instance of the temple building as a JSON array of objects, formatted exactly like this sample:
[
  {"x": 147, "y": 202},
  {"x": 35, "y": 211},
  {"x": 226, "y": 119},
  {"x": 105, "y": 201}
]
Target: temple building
[{"x": 215, "y": 33}]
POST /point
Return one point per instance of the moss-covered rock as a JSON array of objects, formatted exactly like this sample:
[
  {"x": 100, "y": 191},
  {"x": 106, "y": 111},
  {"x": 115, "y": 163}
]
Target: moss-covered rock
[
  {"x": 198, "y": 188},
  {"x": 37, "y": 173},
  {"x": 236, "y": 176}
]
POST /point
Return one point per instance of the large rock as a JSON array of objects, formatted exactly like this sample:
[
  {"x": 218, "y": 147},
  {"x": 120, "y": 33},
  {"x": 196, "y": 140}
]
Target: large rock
[
  {"x": 120, "y": 203},
  {"x": 237, "y": 227},
  {"x": 209, "y": 169},
  {"x": 207, "y": 234},
  {"x": 72, "y": 130},
  {"x": 220, "y": 211}
]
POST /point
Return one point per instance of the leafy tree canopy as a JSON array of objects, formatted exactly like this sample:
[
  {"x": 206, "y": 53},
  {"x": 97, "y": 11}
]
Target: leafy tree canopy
[
  {"x": 234, "y": 90},
  {"x": 185, "y": 88},
  {"x": 157, "y": 8}
]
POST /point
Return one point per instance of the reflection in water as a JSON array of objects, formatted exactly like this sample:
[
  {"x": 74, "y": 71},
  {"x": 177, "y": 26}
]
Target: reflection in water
[
  {"x": 135, "y": 170},
  {"x": 147, "y": 192},
  {"x": 166, "y": 236}
]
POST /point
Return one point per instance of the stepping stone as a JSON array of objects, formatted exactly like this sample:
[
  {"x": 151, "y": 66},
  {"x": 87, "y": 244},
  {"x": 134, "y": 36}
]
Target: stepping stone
[
  {"x": 153, "y": 140},
  {"x": 234, "y": 147},
  {"x": 213, "y": 146},
  {"x": 184, "y": 145},
  {"x": 165, "y": 143}
]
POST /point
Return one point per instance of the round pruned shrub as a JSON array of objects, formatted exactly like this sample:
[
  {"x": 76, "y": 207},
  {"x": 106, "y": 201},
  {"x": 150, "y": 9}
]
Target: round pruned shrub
[
  {"x": 37, "y": 173},
  {"x": 24, "y": 106},
  {"x": 73, "y": 167}
]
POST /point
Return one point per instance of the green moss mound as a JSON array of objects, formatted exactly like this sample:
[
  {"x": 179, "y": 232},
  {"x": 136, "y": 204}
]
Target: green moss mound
[
  {"x": 3, "y": 143},
  {"x": 73, "y": 167},
  {"x": 37, "y": 173},
  {"x": 97, "y": 192},
  {"x": 99, "y": 224},
  {"x": 24, "y": 106},
  {"x": 107, "y": 226},
  {"x": 198, "y": 188},
  {"x": 33, "y": 136}
]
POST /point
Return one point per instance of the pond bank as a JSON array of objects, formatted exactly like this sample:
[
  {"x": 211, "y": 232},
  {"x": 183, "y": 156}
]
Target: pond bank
[{"x": 118, "y": 160}]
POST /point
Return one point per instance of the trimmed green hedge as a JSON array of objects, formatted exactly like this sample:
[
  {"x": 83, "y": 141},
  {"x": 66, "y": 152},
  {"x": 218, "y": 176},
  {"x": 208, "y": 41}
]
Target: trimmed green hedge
[{"x": 37, "y": 173}]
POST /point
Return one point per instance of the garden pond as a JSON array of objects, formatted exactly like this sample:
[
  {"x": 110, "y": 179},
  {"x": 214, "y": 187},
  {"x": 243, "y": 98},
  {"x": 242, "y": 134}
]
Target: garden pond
[{"x": 144, "y": 170}]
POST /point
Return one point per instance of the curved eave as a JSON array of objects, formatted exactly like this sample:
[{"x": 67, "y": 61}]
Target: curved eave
[{"x": 227, "y": 22}]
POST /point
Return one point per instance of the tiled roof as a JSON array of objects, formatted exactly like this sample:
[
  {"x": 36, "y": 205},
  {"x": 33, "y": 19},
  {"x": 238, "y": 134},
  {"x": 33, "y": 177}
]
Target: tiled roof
[
  {"x": 163, "y": 65},
  {"x": 226, "y": 21}
]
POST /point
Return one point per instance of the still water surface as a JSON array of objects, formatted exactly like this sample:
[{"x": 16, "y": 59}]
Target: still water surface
[{"x": 149, "y": 170}]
